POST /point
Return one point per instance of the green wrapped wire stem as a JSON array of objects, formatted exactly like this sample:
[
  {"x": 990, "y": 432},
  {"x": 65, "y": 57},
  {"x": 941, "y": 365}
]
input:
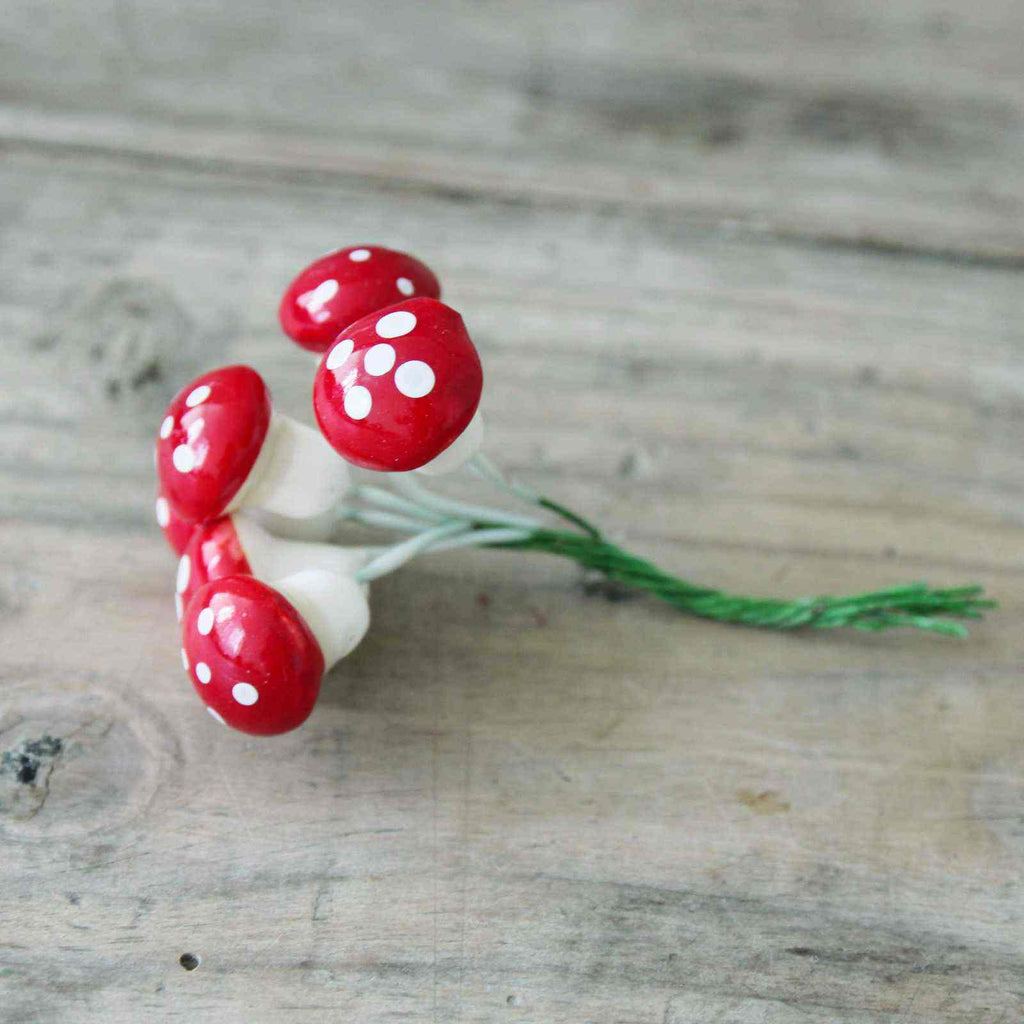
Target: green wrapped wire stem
[
  {"x": 442, "y": 522},
  {"x": 914, "y": 605}
]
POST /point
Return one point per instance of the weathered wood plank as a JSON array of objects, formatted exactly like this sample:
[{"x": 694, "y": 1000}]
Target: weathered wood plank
[
  {"x": 894, "y": 125},
  {"x": 654, "y": 827},
  {"x": 516, "y": 800}
]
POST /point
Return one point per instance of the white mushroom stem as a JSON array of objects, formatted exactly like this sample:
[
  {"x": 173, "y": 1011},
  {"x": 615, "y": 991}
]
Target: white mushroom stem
[
  {"x": 318, "y": 579},
  {"x": 272, "y": 558},
  {"x": 317, "y": 528},
  {"x": 460, "y": 451},
  {"x": 297, "y": 473},
  {"x": 334, "y": 607}
]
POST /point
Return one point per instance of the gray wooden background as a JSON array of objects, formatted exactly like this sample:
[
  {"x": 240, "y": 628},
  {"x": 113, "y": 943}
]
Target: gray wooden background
[{"x": 746, "y": 277}]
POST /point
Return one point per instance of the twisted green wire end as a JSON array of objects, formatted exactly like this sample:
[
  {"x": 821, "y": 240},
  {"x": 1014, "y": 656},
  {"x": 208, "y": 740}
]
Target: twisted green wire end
[{"x": 915, "y": 605}]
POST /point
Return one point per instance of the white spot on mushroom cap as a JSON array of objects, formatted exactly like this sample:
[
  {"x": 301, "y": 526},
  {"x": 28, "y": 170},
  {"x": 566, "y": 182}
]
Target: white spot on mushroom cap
[
  {"x": 245, "y": 693},
  {"x": 397, "y": 324},
  {"x": 198, "y": 395},
  {"x": 314, "y": 300},
  {"x": 203, "y": 673},
  {"x": 405, "y": 286},
  {"x": 184, "y": 659},
  {"x": 359, "y": 255},
  {"x": 358, "y": 402},
  {"x": 204, "y": 623},
  {"x": 184, "y": 572},
  {"x": 340, "y": 353},
  {"x": 379, "y": 359},
  {"x": 414, "y": 379},
  {"x": 179, "y": 607},
  {"x": 217, "y": 716},
  {"x": 166, "y": 427},
  {"x": 183, "y": 458},
  {"x": 163, "y": 511}
]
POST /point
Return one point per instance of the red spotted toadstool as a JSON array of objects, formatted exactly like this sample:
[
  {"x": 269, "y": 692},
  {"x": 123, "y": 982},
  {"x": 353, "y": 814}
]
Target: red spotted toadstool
[
  {"x": 399, "y": 390},
  {"x": 221, "y": 446},
  {"x": 256, "y": 653},
  {"x": 345, "y": 285}
]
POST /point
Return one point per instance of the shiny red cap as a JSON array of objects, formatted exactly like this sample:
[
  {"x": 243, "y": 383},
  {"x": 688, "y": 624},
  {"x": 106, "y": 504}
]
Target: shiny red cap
[
  {"x": 343, "y": 286},
  {"x": 251, "y": 657},
  {"x": 177, "y": 530},
  {"x": 209, "y": 440},
  {"x": 213, "y": 552},
  {"x": 399, "y": 386}
]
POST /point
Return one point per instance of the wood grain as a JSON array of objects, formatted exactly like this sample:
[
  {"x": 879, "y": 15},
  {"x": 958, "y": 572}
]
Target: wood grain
[
  {"x": 892, "y": 125},
  {"x": 519, "y": 800}
]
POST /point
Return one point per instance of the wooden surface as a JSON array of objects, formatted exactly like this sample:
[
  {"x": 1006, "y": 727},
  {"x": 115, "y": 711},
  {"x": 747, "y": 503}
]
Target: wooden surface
[{"x": 747, "y": 281}]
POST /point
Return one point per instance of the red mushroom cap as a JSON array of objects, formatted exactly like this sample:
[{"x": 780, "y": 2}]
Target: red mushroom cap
[
  {"x": 209, "y": 440},
  {"x": 177, "y": 530},
  {"x": 251, "y": 657},
  {"x": 343, "y": 286},
  {"x": 399, "y": 386},
  {"x": 213, "y": 552}
]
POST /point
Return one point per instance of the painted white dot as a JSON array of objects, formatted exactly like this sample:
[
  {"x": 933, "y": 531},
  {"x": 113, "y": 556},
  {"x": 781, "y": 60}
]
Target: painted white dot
[
  {"x": 198, "y": 395},
  {"x": 205, "y": 621},
  {"x": 245, "y": 693},
  {"x": 316, "y": 297},
  {"x": 184, "y": 572},
  {"x": 184, "y": 659},
  {"x": 216, "y": 716},
  {"x": 203, "y": 673},
  {"x": 183, "y": 458},
  {"x": 397, "y": 324},
  {"x": 405, "y": 286},
  {"x": 414, "y": 379},
  {"x": 179, "y": 607},
  {"x": 358, "y": 402},
  {"x": 359, "y": 255},
  {"x": 166, "y": 427},
  {"x": 163, "y": 511},
  {"x": 340, "y": 353},
  {"x": 379, "y": 359}
]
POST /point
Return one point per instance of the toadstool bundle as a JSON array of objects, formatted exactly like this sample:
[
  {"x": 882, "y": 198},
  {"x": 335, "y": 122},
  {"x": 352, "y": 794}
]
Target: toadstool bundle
[
  {"x": 343, "y": 286},
  {"x": 400, "y": 387},
  {"x": 221, "y": 447},
  {"x": 396, "y": 393}
]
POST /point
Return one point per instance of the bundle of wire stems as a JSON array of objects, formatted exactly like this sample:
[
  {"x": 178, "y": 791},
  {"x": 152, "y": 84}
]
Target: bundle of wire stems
[{"x": 438, "y": 522}]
